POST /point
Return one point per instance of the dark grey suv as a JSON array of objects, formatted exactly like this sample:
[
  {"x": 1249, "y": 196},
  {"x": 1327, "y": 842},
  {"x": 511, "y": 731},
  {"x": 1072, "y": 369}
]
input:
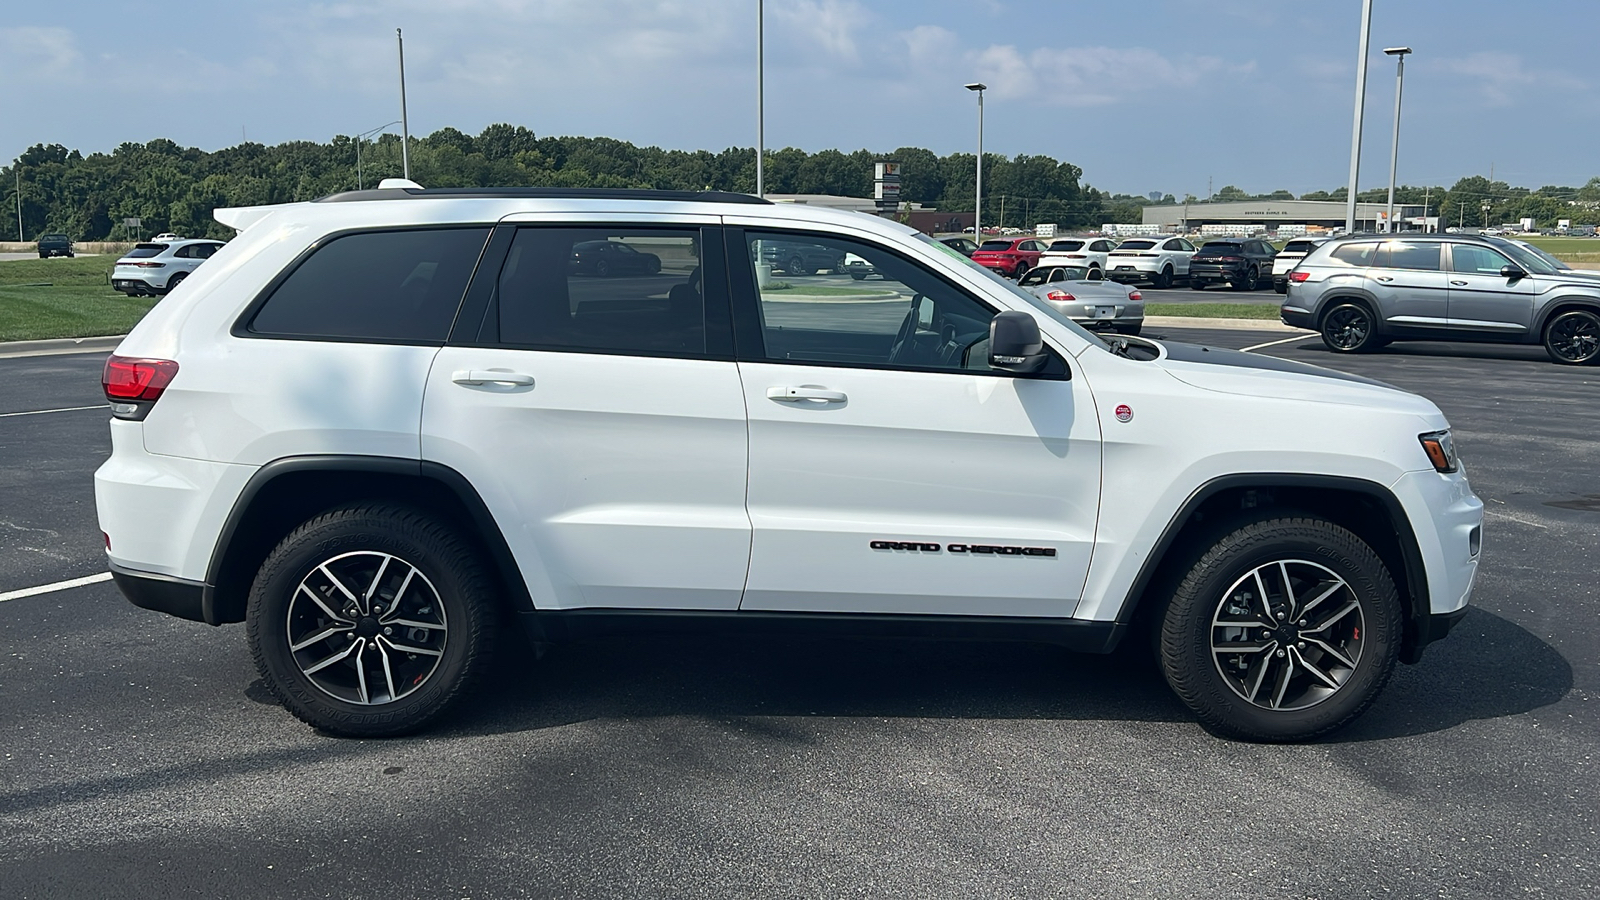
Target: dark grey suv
[{"x": 1364, "y": 291}]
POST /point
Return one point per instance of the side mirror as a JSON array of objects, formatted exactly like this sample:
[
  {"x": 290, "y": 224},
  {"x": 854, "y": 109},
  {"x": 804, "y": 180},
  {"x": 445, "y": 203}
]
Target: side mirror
[
  {"x": 1015, "y": 344},
  {"x": 1512, "y": 272}
]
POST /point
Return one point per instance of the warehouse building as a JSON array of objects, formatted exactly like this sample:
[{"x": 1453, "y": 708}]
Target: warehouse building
[{"x": 1255, "y": 215}]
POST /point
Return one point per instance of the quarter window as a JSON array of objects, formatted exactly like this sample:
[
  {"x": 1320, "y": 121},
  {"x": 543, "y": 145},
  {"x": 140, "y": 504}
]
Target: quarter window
[
  {"x": 402, "y": 286},
  {"x": 911, "y": 319},
  {"x": 621, "y": 291}
]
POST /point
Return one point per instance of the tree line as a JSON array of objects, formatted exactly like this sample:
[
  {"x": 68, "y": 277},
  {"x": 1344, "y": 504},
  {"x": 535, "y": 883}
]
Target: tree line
[{"x": 173, "y": 188}]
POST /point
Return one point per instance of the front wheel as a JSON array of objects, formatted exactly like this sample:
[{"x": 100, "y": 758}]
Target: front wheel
[
  {"x": 1283, "y": 630},
  {"x": 370, "y": 620},
  {"x": 1573, "y": 337}
]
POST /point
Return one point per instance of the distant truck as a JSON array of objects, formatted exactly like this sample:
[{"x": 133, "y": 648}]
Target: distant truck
[{"x": 54, "y": 245}]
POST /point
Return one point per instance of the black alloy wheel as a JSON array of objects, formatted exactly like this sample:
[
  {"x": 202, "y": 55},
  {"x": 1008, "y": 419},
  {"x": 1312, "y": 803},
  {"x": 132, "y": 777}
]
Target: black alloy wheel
[
  {"x": 1349, "y": 328},
  {"x": 1163, "y": 279},
  {"x": 797, "y": 266},
  {"x": 602, "y": 268},
  {"x": 1573, "y": 337}
]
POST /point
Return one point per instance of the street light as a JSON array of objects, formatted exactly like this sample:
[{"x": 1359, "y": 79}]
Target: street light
[
  {"x": 1399, "y": 53},
  {"x": 1355, "y": 132},
  {"x": 358, "y": 147},
  {"x": 977, "y": 206}
]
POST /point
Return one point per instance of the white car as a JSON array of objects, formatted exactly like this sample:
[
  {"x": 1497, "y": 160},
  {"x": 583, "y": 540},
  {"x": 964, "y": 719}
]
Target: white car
[
  {"x": 1290, "y": 256},
  {"x": 384, "y": 424},
  {"x": 156, "y": 267},
  {"x": 1158, "y": 260},
  {"x": 1087, "y": 253}
]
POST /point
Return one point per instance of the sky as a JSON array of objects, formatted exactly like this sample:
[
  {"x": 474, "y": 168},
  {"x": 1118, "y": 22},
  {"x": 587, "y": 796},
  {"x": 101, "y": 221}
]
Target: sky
[{"x": 1155, "y": 95}]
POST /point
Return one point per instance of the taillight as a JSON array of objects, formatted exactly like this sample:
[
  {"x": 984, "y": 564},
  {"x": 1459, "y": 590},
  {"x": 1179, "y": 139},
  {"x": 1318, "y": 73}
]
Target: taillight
[
  {"x": 1135, "y": 295},
  {"x": 1230, "y": 259},
  {"x": 134, "y": 385},
  {"x": 1060, "y": 296},
  {"x": 1074, "y": 256},
  {"x": 1299, "y": 276}
]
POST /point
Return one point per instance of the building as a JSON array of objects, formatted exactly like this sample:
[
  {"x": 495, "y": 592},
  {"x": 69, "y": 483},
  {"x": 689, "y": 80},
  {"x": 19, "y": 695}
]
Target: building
[{"x": 1245, "y": 215}]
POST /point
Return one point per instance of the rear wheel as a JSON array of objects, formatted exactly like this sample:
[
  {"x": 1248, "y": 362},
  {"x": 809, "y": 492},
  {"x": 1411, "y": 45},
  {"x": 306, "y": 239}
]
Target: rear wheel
[
  {"x": 1196, "y": 284},
  {"x": 1349, "y": 328},
  {"x": 176, "y": 280},
  {"x": 370, "y": 620},
  {"x": 797, "y": 266},
  {"x": 1573, "y": 337},
  {"x": 1022, "y": 269},
  {"x": 1283, "y": 630},
  {"x": 1163, "y": 279}
]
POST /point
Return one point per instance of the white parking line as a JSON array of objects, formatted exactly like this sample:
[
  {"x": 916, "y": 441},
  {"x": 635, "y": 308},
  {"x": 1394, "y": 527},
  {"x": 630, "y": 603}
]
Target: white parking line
[
  {"x": 40, "y": 412},
  {"x": 58, "y": 586},
  {"x": 1300, "y": 337}
]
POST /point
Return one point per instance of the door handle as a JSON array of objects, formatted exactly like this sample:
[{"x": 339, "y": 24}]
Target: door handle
[
  {"x": 491, "y": 376},
  {"x": 1459, "y": 283},
  {"x": 1383, "y": 278},
  {"x": 789, "y": 394}
]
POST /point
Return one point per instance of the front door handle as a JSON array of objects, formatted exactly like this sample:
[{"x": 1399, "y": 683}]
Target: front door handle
[
  {"x": 1383, "y": 278},
  {"x": 1459, "y": 283},
  {"x": 791, "y": 394},
  {"x": 491, "y": 376}
]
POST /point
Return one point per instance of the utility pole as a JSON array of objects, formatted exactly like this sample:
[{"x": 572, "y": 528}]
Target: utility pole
[
  {"x": 1355, "y": 133},
  {"x": 761, "y": 96},
  {"x": 18, "y": 173},
  {"x": 1427, "y": 190},
  {"x": 405, "y": 127},
  {"x": 1002, "y": 212},
  {"x": 1209, "y": 194}
]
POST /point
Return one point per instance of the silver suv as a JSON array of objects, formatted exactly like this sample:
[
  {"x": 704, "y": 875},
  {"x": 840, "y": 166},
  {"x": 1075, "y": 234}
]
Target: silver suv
[{"x": 1364, "y": 291}]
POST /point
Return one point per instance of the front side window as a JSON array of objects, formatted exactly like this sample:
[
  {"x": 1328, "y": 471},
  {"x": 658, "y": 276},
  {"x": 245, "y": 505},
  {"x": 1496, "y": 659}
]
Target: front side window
[
  {"x": 1408, "y": 255},
  {"x": 1472, "y": 259},
  {"x": 621, "y": 291},
  {"x": 911, "y": 319},
  {"x": 402, "y": 286}
]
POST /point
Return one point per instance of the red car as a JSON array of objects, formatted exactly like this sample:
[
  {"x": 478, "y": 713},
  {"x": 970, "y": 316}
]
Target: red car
[{"x": 1010, "y": 257}]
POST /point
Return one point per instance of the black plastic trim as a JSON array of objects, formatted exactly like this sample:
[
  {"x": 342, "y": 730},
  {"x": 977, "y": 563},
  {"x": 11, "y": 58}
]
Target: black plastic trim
[
  {"x": 1415, "y": 574},
  {"x": 161, "y": 593},
  {"x": 542, "y": 193},
  {"x": 492, "y": 540},
  {"x": 1082, "y": 635}
]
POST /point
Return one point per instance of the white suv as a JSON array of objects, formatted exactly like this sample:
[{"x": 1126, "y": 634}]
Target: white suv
[
  {"x": 1085, "y": 253},
  {"x": 155, "y": 267},
  {"x": 378, "y": 426},
  {"x": 1157, "y": 260}
]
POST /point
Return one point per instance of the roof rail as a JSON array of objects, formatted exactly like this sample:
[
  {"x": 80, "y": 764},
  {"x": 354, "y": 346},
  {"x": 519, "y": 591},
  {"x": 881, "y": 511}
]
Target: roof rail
[{"x": 541, "y": 193}]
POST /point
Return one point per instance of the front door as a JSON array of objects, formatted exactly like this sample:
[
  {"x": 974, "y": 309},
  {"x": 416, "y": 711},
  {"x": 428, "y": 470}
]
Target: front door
[
  {"x": 1482, "y": 301},
  {"x": 891, "y": 470},
  {"x": 600, "y": 418}
]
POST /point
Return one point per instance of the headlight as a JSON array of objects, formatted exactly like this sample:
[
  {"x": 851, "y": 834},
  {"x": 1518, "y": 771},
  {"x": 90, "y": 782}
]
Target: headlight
[{"x": 1440, "y": 449}]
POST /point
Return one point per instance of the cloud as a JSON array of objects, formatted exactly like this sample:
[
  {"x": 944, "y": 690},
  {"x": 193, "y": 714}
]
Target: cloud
[
  {"x": 831, "y": 25},
  {"x": 40, "y": 52},
  {"x": 1504, "y": 80}
]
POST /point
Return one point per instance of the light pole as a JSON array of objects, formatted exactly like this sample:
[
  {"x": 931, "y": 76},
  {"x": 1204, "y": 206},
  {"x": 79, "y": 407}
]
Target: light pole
[
  {"x": 1361, "y": 100},
  {"x": 1399, "y": 53},
  {"x": 358, "y": 147},
  {"x": 405, "y": 127},
  {"x": 977, "y": 206},
  {"x": 761, "y": 96}
]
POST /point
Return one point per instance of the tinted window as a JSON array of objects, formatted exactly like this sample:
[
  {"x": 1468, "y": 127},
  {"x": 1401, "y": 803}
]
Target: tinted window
[
  {"x": 1475, "y": 260},
  {"x": 142, "y": 251},
  {"x": 391, "y": 285},
  {"x": 1299, "y": 247},
  {"x": 1407, "y": 255},
  {"x": 1136, "y": 245},
  {"x": 1219, "y": 248},
  {"x": 620, "y": 291},
  {"x": 1352, "y": 255},
  {"x": 995, "y": 245},
  {"x": 1065, "y": 246},
  {"x": 911, "y": 319}
]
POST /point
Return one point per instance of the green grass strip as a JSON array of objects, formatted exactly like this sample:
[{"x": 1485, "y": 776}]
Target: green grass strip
[{"x": 1213, "y": 310}]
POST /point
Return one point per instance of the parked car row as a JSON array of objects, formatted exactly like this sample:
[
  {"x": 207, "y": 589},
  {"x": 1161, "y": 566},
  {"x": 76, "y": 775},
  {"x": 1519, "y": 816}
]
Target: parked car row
[{"x": 154, "y": 268}]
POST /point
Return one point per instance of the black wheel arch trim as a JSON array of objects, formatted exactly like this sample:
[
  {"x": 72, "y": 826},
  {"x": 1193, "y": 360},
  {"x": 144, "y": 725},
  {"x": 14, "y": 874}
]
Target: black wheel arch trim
[
  {"x": 1348, "y": 295},
  {"x": 218, "y": 610},
  {"x": 1560, "y": 305},
  {"x": 1418, "y": 614}
]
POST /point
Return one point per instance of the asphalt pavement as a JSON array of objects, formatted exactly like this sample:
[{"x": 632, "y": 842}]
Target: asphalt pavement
[{"x": 143, "y": 758}]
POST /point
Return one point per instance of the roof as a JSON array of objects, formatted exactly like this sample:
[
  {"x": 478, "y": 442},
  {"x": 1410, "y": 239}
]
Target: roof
[{"x": 528, "y": 193}]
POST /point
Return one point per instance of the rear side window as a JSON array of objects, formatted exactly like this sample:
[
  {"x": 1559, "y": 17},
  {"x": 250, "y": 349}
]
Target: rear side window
[
  {"x": 381, "y": 286},
  {"x": 1353, "y": 255},
  {"x": 1406, "y": 255}
]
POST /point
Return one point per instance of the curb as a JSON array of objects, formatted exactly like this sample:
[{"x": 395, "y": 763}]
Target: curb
[
  {"x": 1239, "y": 324},
  {"x": 60, "y": 346}
]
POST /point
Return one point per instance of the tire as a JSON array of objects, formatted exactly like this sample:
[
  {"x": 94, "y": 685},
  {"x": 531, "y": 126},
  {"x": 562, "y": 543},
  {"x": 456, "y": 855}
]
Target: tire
[
  {"x": 797, "y": 266},
  {"x": 444, "y": 596},
  {"x": 1163, "y": 279},
  {"x": 858, "y": 277},
  {"x": 1248, "y": 283},
  {"x": 1573, "y": 337},
  {"x": 1332, "y": 666},
  {"x": 176, "y": 279},
  {"x": 1350, "y": 328},
  {"x": 1130, "y": 329},
  {"x": 653, "y": 266},
  {"x": 1196, "y": 284},
  {"x": 44, "y": 256},
  {"x": 1022, "y": 269},
  {"x": 602, "y": 268}
]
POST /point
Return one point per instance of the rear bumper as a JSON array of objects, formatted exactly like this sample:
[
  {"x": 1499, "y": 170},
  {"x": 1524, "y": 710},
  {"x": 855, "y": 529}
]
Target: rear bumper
[
  {"x": 1216, "y": 273},
  {"x": 161, "y": 593},
  {"x": 1299, "y": 318}
]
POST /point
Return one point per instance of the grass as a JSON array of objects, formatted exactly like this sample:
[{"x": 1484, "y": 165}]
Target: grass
[
  {"x": 62, "y": 298},
  {"x": 1213, "y": 310},
  {"x": 1568, "y": 249}
]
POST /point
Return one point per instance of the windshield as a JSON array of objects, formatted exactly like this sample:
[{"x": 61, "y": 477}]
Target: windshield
[
  {"x": 1136, "y": 245},
  {"x": 1526, "y": 258},
  {"x": 1062, "y": 246},
  {"x": 1556, "y": 263},
  {"x": 1027, "y": 297}
]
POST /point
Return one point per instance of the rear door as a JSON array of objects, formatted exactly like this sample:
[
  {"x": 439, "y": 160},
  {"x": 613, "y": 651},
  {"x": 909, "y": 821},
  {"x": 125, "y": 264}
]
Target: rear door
[
  {"x": 1408, "y": 280},
  {"x": 891, "y": 471},
  {"x": 601, "y": 418},
  {"x": 1484, "y": 302}
]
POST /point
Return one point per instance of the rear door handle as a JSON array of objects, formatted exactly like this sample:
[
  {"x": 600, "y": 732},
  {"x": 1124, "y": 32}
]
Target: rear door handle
[
  {"x": 791, "y": 394},
  {"x": 491, "y": 376}
]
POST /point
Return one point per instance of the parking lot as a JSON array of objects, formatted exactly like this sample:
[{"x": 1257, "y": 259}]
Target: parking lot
[{"x": 142, "y": 752}]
